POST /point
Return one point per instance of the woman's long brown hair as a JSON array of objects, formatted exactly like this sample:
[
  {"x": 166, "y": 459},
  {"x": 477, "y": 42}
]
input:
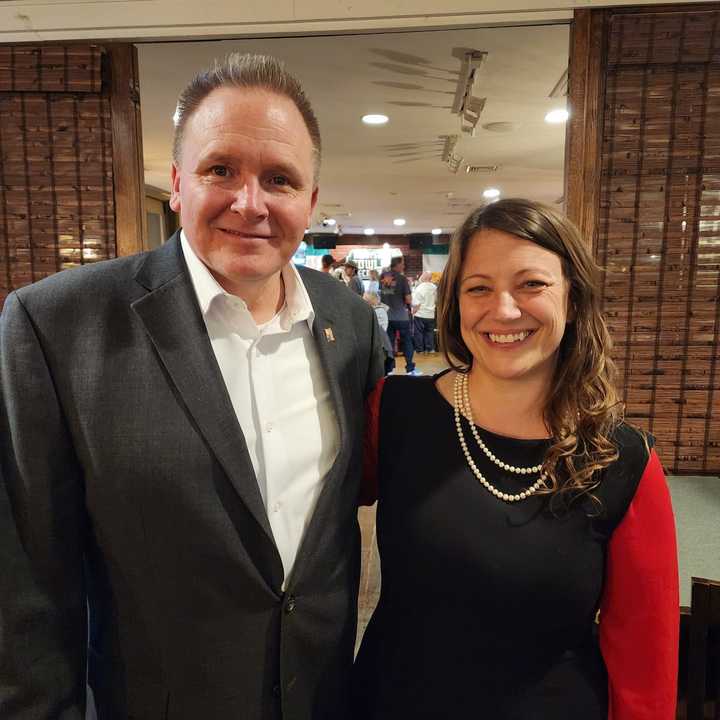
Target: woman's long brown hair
[{"x": 582, "y": 408}]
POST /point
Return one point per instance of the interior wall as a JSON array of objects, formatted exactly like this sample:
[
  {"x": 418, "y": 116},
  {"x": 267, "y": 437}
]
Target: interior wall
[
  {"x": 646, "y": 187},
  {"x": 70, "y": 159}
]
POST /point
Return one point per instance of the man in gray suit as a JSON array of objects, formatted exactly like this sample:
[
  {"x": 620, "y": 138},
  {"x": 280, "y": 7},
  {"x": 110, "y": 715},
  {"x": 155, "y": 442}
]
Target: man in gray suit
[{"x": 181, "y": 443}]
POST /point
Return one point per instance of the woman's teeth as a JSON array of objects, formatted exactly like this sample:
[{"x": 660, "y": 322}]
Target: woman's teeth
[{"x": 504, "y": 339}]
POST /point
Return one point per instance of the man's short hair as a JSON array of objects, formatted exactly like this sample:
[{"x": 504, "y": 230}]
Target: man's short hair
[
  {"x": 394, "y": 262},
  {"x": 327, "y": 260},
  {"x": 249, "y": 71}
]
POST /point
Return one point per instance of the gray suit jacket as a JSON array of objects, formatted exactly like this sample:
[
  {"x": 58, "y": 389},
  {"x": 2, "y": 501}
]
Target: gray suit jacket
[{"x": 128, "y": 489}]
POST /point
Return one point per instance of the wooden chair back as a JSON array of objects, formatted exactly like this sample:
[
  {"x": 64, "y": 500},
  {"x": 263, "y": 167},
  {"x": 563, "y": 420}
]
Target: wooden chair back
[{"x": 704, "y": 650}]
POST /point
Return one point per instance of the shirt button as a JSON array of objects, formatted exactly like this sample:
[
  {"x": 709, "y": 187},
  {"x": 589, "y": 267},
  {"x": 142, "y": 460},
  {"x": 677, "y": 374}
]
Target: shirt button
[
  {"x": 290, "y": 604},
  {"x": 268, "y": 427}
]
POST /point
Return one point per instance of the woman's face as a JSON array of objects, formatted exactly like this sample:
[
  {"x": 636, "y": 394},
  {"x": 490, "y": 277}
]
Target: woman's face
[{"x": 513, "y": 306}]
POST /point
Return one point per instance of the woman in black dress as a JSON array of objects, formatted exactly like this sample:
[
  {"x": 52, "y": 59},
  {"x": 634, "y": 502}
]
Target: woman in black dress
[{"x": 528, "y": 559}]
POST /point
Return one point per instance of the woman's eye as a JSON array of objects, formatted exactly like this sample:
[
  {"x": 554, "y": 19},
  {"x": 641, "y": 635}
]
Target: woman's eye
[
  {"x": 535, "y": 283},
  {"x": 477, "y": 289}
]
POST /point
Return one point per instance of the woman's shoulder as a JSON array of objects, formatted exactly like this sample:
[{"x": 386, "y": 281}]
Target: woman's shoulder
[
  {"x": 621, "y": 478},
  {"x": 409, "y": 389},
  {"x": 633, "y": 444}
]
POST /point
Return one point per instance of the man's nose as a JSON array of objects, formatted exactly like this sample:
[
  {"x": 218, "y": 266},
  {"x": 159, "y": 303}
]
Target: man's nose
[
  {"x": 505, "y": 307},
  {"x": 249, "y": 200}
]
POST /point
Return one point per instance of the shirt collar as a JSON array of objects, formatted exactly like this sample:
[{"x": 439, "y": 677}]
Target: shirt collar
[{"x": 297, "y": 308}]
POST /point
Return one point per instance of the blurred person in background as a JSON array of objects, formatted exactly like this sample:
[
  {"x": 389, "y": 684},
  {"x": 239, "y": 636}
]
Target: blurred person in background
[
  {"x": 352, "y": 279},
  {"x": 396, "y": 294},
  {"x": 424, "y": 296},
  {"x": 381, "y": 312},
  {"x": 326, "y": 263},
  {"x": 373, "y": 283}
]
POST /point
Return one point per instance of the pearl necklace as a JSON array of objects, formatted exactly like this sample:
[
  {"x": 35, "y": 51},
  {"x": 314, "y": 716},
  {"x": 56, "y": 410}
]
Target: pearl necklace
[
  {"x": 466, "y": 408},
  {"x": 460, "y": 385}
]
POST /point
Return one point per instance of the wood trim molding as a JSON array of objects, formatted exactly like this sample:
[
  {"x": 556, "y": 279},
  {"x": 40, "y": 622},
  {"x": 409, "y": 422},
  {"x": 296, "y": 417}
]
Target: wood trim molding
[
  {"x": 586, "y": 87},
  {"x": 128, "y": 170}
]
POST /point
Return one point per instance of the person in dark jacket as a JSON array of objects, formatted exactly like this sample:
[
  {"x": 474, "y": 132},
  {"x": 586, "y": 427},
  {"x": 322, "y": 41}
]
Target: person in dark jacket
[
  {"x": 180, "y": 444},
  {"x": 353, "y": 281}
]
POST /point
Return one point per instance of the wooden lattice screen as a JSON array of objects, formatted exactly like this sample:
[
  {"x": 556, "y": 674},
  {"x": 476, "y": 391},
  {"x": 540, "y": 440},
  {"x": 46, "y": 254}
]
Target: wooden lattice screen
[
  {"x": 56, "y": 176},
  {"x": 658, "y": 226}
]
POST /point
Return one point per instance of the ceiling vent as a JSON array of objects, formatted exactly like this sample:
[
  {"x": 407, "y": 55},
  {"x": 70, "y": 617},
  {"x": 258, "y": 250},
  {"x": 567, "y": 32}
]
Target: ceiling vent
[{"x": 481, "y": 169}]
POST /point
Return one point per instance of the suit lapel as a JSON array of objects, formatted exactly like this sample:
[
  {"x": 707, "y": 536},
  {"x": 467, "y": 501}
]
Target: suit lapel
[
  {"x": 335, "y": 342},
  {"x": 332, "y": 339},
  {"x": 175, "y": 325}
]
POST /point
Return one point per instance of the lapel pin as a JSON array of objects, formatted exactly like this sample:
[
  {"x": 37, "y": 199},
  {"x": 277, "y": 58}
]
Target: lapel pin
[{"x": 329, "y": 335}]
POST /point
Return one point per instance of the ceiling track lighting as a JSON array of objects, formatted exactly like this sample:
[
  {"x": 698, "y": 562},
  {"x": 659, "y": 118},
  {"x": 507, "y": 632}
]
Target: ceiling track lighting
[
  {"x": 466, "y": 104},
  {"x": 448, "y": 156}
]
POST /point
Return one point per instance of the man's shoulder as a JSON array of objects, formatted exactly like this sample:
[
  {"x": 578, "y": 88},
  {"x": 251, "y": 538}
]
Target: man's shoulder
[{"x": 83, "y": 278}]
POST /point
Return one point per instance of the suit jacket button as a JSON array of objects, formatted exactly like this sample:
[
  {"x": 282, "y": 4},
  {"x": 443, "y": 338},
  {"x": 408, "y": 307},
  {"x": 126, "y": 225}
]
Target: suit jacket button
[
  {"x": 276, "y": 691},
  {"x": 290, "y": 604}
]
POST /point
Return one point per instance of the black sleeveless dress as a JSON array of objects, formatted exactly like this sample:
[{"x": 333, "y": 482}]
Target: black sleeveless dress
[{"x": 487, "y": 609}]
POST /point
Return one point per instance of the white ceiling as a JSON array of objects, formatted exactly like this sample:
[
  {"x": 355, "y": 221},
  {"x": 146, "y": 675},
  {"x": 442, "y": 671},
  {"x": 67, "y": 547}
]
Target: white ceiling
[{"x": 371, "y": 175}]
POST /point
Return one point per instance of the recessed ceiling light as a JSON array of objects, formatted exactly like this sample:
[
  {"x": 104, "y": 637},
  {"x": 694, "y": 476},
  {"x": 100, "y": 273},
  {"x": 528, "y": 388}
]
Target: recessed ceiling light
[
  {"x": 369, "y": 231},
  {"x": 560, "y": 115},
  {"x": 399, "y": 221},
  {"x": 491, "y": 193},
  {"x": 436, "y": 231},
  {"x": 375, "y": 119}
]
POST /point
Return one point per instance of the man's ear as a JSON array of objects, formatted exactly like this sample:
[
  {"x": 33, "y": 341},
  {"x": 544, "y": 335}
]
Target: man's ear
[
  {"x": 313, "y": 204},
  {"x": 174, "y": 201}
]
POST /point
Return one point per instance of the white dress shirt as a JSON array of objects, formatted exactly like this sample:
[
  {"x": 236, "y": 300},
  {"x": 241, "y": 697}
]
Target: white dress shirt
[{"x": 280, "y": 395}]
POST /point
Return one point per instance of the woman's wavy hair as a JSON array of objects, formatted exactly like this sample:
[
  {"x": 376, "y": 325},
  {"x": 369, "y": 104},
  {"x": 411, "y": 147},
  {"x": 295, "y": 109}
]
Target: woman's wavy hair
[{"x": 582, "y": 407}]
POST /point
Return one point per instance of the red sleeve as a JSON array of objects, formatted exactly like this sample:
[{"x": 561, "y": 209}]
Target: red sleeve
[
  {"x": 640, "y": 609},
  {"x": 369, "y": 483}
]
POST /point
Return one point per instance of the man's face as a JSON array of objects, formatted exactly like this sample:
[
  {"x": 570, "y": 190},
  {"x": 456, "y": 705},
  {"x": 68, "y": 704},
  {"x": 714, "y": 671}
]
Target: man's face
[{"x": 244, "y": 184}]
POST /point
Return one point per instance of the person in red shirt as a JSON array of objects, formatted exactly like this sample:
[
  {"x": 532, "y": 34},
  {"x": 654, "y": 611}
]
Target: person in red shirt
[{"x": 529, "y": 563}]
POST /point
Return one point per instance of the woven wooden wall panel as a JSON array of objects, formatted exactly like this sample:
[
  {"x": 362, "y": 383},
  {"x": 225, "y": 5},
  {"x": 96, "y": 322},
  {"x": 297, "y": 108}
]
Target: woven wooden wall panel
[
  {"x": 56, "y": 181},
  {"x": 50, "y": 68},
  {"x": 659, "y": 227}
]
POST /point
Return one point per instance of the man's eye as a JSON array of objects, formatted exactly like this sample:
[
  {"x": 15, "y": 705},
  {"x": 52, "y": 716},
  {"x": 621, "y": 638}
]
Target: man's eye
[
  {"x": 219, "y": 170},
  {"x": 279, "y": 180}
]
